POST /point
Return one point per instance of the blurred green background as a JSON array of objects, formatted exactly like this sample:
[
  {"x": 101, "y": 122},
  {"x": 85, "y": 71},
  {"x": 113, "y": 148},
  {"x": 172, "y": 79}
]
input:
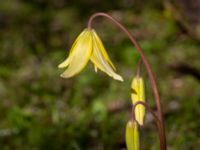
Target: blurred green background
[{"x": 41, "y": 111}]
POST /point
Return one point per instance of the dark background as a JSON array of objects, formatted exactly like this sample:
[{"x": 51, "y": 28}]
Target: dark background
[{"x": 41, "y": 111}]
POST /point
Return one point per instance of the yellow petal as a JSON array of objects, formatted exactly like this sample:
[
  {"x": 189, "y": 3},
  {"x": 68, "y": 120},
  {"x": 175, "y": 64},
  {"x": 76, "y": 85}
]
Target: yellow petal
[
  {"x": 100, "y": 59},
  {"x": 138, "y": 95},
  {"x": 66, "y": 62},
  {"x": 132, "y": 136},
  {"x": 80, "y": 54},
  {"x": 102, "y": 48}
]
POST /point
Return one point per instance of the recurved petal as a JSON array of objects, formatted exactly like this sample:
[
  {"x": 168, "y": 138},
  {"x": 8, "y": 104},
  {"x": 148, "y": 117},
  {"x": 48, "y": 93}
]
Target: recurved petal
[
  {"x": 66, "y": 62},
  {"x": 99, "y": 59},
  {"x": 80, "y": 55},
  {"x": 102, "y": 48}
]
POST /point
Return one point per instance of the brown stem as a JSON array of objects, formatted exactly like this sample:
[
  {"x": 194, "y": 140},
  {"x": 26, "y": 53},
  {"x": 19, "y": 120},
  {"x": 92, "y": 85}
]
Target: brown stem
[
  {"x": 146, "y": 63},
  {"x": 158, "y": 121}
]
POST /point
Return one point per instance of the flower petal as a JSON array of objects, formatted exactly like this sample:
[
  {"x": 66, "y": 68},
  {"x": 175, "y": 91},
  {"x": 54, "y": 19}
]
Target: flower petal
[
  {"x": 100, "y": 59},
  {"x": 79, "y": 56},
  {"x": 65, "y": 63},
  {"x": 102, "y": 48}
]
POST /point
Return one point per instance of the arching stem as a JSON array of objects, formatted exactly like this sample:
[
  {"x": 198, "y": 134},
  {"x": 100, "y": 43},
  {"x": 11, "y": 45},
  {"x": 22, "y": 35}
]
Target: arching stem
[{"x": 146, "y": 63}]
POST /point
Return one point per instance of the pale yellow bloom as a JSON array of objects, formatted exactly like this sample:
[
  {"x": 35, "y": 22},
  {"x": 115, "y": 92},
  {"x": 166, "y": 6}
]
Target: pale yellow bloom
[
  {"x": 138, "y": 94},
  {"x": 88, "y": 46},
  {"x": 132, "y": 136}
]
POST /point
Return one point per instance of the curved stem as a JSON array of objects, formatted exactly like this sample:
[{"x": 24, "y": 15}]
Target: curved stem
[
  {"x": 158, "y": 121},
  {"x": 146, "y": 63}
]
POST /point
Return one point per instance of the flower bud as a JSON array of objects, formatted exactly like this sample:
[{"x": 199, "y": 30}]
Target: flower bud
[
  {"x": 138, "y": 94},
  {"x": 132, "y": 136}
]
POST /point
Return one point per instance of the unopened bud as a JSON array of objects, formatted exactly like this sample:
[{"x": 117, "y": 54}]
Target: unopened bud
[
  {"x": 132, "y": 136},
  {"x": 138, "y": 94}
]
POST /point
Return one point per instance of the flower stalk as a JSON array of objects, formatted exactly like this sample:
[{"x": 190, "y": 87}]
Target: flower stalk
[{"x": 154, "y": 86}]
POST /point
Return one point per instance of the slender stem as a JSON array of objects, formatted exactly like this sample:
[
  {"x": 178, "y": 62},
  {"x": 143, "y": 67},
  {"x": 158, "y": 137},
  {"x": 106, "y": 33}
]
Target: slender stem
[
  {"x": 146, "y": 63},
  {"x": 158, "y": 122}
]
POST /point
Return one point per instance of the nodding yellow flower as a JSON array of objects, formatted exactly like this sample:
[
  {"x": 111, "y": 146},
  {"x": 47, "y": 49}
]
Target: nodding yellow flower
[
  {"x": 88, "y": 46},
  {"x": 132, "y": 136},
  {"x": 138, "y": 94}
]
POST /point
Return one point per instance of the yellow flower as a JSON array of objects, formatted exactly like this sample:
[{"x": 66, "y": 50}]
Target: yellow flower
[
  {"x": 138, "y": 94},
  {"x": 88, "y": 46},
  {"x": 132, "y": 136}
]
